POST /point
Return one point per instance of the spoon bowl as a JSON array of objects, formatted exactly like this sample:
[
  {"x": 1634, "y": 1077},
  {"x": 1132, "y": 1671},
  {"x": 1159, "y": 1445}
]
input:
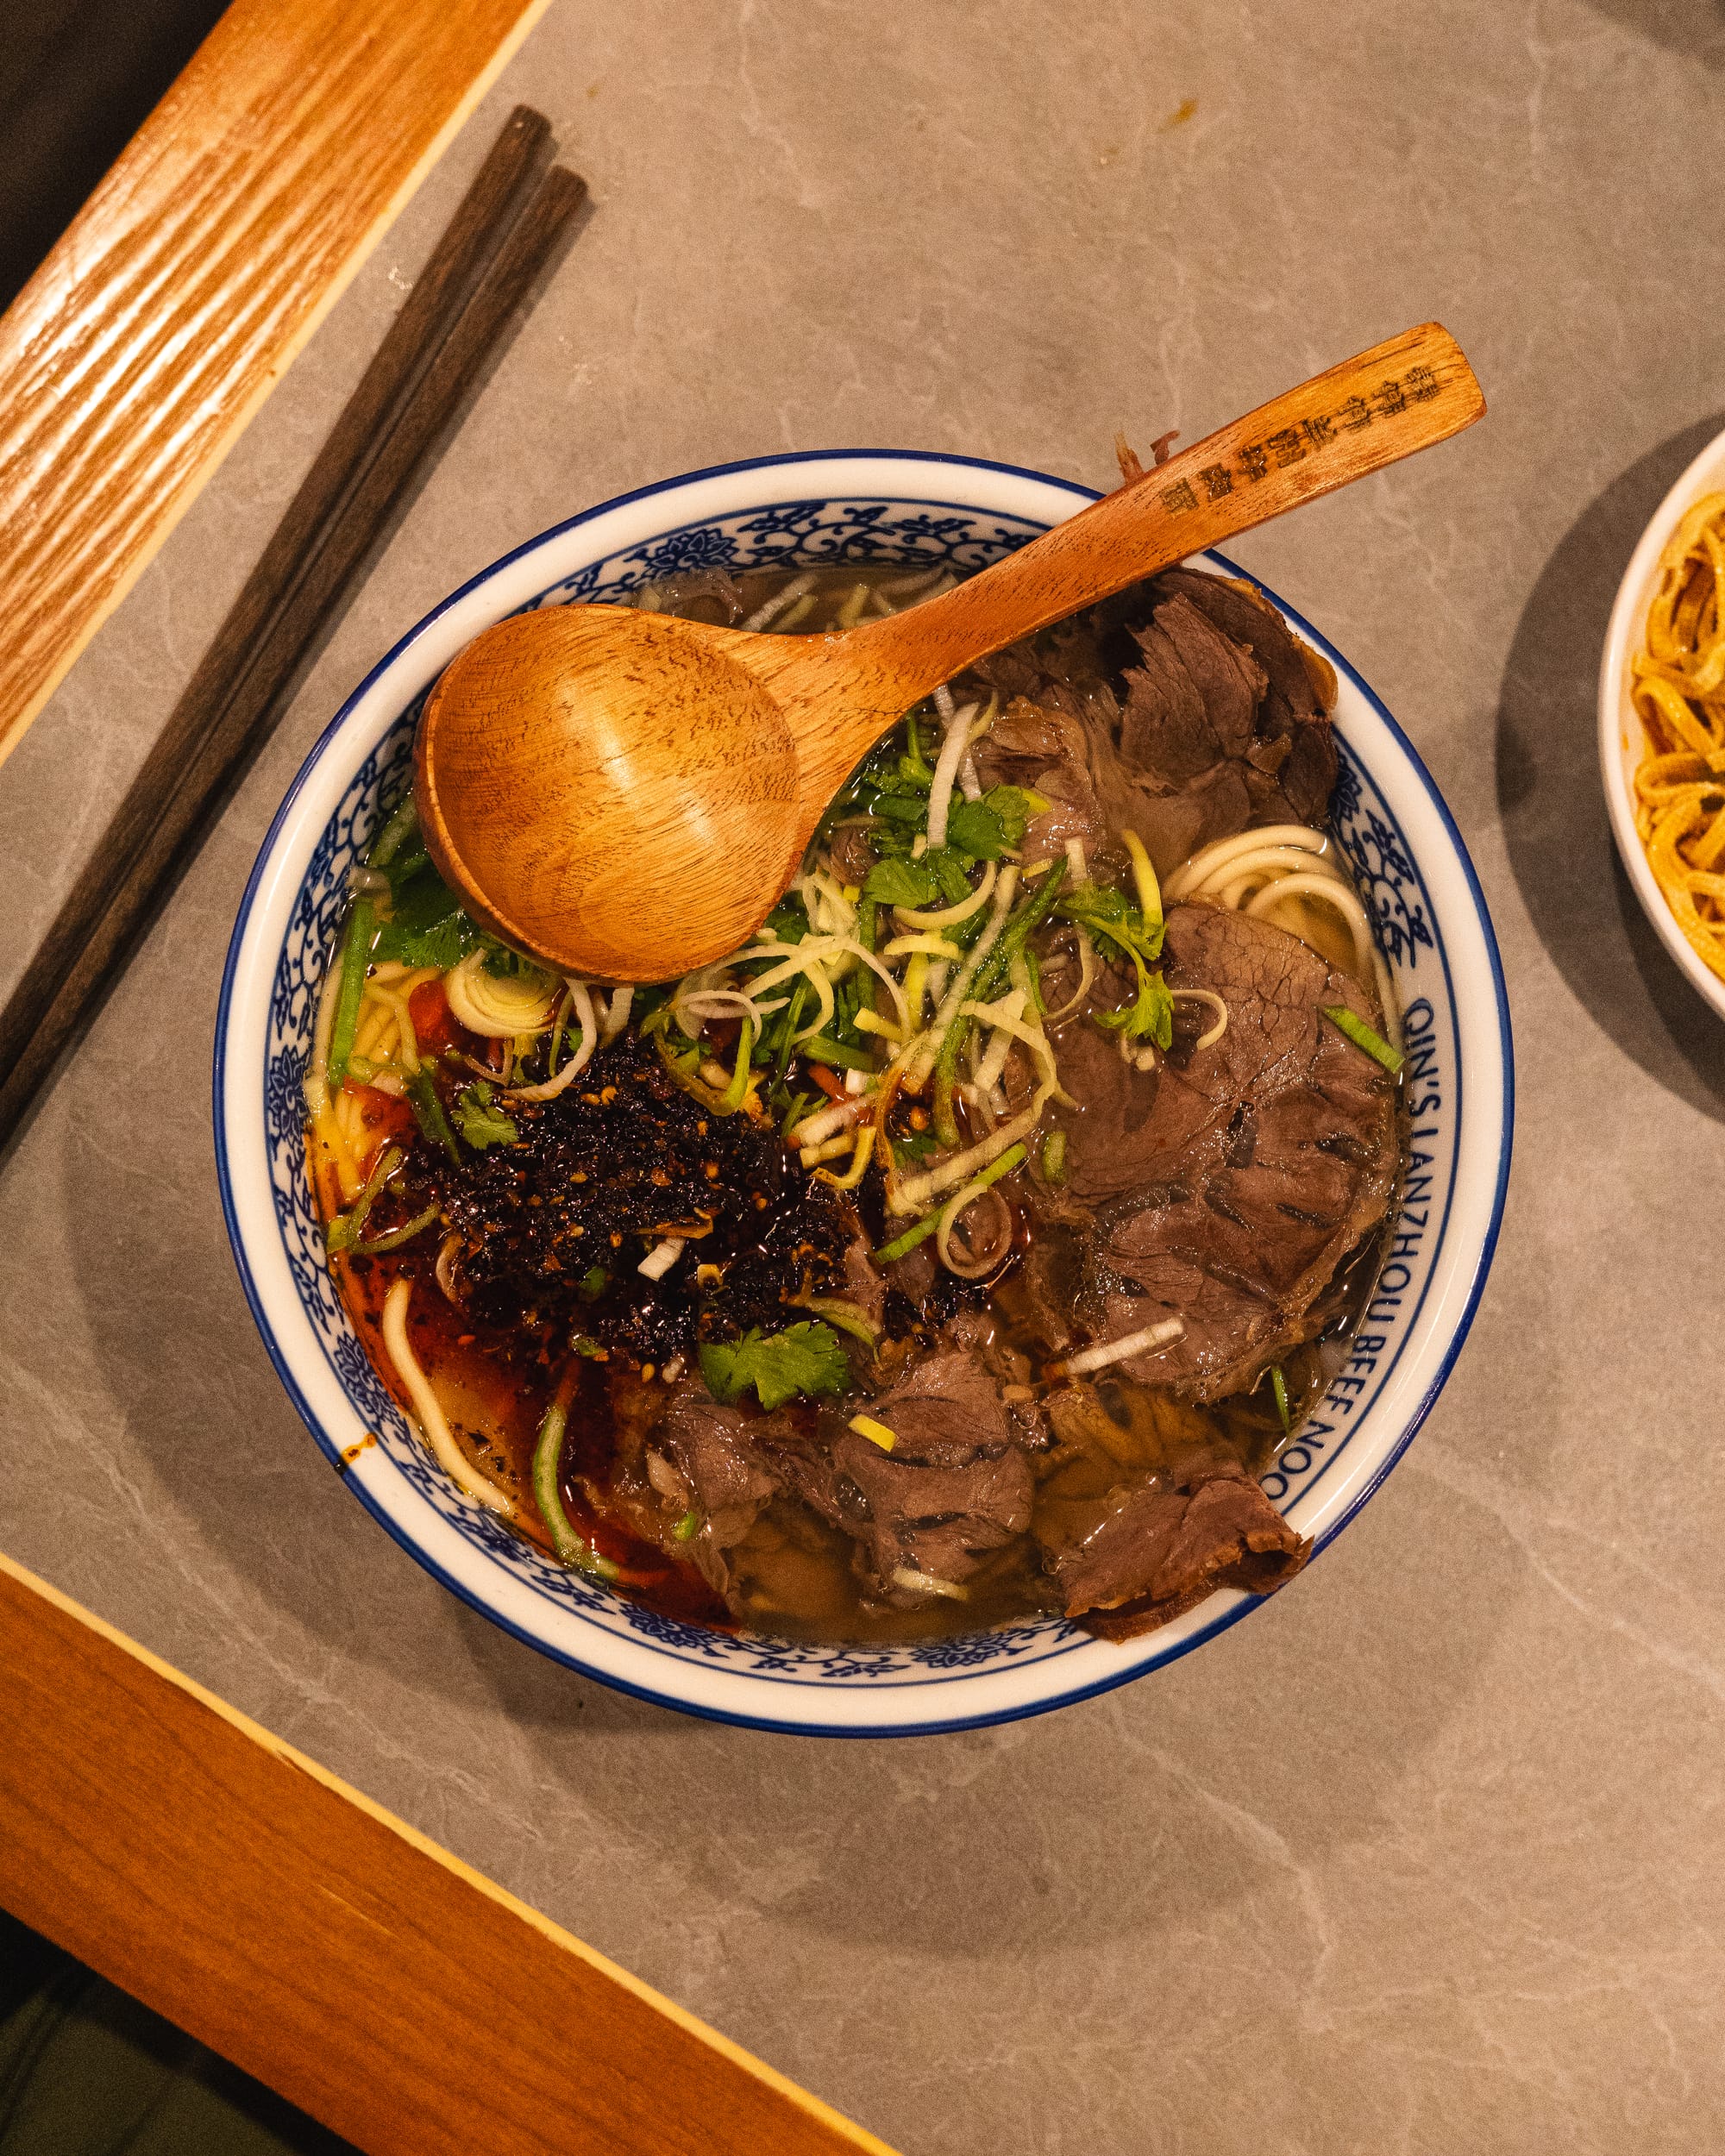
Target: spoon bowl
[
  {"x": 585, "y": 769},
  {"x": 624, "y": 795}
]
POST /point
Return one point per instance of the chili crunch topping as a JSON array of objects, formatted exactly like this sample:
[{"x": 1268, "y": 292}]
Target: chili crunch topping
[{"x": 555, "y": 1226}]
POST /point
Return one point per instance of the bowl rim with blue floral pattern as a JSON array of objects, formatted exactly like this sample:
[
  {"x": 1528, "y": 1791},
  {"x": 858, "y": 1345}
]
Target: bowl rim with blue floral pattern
[{"x": 917, "y": 508}]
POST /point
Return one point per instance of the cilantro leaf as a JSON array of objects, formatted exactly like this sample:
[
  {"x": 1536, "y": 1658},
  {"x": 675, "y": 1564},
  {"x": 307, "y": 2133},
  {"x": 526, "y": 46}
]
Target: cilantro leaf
[
  {"x": 900, "y": 883},
  {"x": 789, "y": 920},
  {"x": 985, "y": 827},
  {"x": 1105, "y": 913},
  {"x": 481, "y": 1124},
  {"x": 805, "y": 1358},
  {"x": 426, "y": 926}
]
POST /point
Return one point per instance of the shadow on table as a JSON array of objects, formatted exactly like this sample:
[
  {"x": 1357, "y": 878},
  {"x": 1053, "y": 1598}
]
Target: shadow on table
[
  {"x": 1553, "y": 808},
  {"x": 1148, "y": 1810},
  {"x": 1693, "y": 28}
]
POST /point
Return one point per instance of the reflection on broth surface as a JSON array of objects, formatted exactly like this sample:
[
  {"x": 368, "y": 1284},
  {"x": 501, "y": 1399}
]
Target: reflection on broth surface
[{"x": 965, "y": 1247}]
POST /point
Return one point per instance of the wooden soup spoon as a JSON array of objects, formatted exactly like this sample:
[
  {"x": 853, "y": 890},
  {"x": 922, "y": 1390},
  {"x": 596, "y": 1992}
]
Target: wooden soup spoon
[{"x": 626, "y": 795}]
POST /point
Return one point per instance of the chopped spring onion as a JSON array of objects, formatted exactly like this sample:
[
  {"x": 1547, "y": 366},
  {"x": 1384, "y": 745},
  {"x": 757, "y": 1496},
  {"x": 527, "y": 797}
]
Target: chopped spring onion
[
  {"x": 952, "y": 747},
  {"x": 1087, "y": 974},
  {"x": 849, "y": 615},
  {"x": 993, "y": 1062},
  {"x": 947, "y": 1023},
  {"x": 732, "y": 1099},
  {"x": 687, "y": 1527},
  {"x": 1278, "y": 1385},
  {"x": 933, "y": 946},
  {"x": 660, "y": 1259},
  {"x": 428, "y": 1113},
  {"x": 499, "y": 1006},
  {"x": 403, "y": 822},
  {"x": 1054, "y": 1156},
  {"x": 927, "y": 1583},
  {"x": 433, "y": 1422},
  {"x": 820, "y": 1050},
  {"x": 356, "y": 946},
  {"x": 845, "y": 1315},
  {"x": 876, "y": 1432},
  {"x": 397, "y": 1237},
  {"x": 1008, "y": 1160},
  {"x": 795, "y": 1115},
  {"x": 1120, "y": 1350},
  {"x": 980, "y": 1262},
  {"x": 616, "y": 1014},
  {"x": 547, "y": 1460},
  {"x": 581, "y": 1002},
  {"x": 859, "y": 1162},
  {"x": 827, "y": 1149},
  {"x": 1363, "y": 1037},
  {"x": 343, "y": 1231},
  {"x": 813, "y": 1128},
  {"x": 770, "y": 610}
]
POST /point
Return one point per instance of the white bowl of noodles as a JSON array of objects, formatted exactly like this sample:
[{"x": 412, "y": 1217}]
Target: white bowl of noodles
[
  {"x": 1408, "y": 861},
  {"x": 1653, "y": 793}
]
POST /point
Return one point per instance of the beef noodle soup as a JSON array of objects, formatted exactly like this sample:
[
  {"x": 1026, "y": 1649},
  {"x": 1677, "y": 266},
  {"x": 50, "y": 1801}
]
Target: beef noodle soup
[{"x": 965, "y": 1247}]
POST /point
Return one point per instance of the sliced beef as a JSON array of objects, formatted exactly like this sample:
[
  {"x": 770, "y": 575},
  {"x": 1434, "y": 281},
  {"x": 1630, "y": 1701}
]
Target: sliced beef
[
  {"x": 1049, "y": 749},
  {"x": 1146, "y": 1553},
  {"x": 1225, "y": 1186},
  {"x": 1183, "y": 708},
  {"x": 1291, "y": 773},
  {"x": 956, "y": 1485},
  {"x": 708, "y": 1459},
  {"x": 1191, "y": 701}
]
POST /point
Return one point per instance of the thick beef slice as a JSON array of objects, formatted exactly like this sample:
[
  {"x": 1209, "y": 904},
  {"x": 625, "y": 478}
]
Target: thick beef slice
[
  {"x": 930, "y": 1518},
  {"x": 711, "y": 1456},
  {"x": 1246, "y": 619},
  {"x": 1049, "y": 749},
  {"x": 1227, "y": 1185},
  {"x": 954, "y": 1486},
  {"x": 1158, "y": 1128},
  {"x": 944, "y": 1408},
  {"x": 1149, "y": 1552},
  {"x": 1182, "y": 709},
  {"x": 1192, "y": 701},
  {"x": 1291, "y": 785}
]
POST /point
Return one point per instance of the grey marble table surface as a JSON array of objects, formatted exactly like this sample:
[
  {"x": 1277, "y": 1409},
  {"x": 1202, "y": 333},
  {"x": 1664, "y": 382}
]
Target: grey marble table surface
[{"x": 1426, "y": 1856}]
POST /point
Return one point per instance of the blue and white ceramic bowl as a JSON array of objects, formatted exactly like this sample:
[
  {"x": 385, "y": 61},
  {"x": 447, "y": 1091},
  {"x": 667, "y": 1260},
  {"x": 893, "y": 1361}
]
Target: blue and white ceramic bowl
[{"x": 916, "y": 510}]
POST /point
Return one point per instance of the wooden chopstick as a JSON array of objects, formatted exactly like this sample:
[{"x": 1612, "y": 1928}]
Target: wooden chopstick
[{"x": 157, "y": 825}]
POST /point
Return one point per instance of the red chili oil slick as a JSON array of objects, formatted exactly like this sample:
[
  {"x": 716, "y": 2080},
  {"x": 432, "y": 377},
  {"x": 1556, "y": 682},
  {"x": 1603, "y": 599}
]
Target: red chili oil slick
[{"x": 495, "y": 1387}]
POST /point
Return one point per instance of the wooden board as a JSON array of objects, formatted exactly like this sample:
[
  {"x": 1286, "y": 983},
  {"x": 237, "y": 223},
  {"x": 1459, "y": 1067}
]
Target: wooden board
[
  {"x": 231, "y": 1884},
  {"x": 131, "y": 361}
]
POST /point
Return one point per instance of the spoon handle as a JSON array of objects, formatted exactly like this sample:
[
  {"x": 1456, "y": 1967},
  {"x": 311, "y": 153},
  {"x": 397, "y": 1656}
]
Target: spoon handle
[{"x": 1403, "y": 395}]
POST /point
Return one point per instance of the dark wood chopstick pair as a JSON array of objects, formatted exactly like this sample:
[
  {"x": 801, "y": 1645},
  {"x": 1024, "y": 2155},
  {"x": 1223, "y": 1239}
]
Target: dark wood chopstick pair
[{"x": 481, "y": 269}]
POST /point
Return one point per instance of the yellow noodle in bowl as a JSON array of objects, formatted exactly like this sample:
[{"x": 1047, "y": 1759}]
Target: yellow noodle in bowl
[{"x": 1677, "y": 685}]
